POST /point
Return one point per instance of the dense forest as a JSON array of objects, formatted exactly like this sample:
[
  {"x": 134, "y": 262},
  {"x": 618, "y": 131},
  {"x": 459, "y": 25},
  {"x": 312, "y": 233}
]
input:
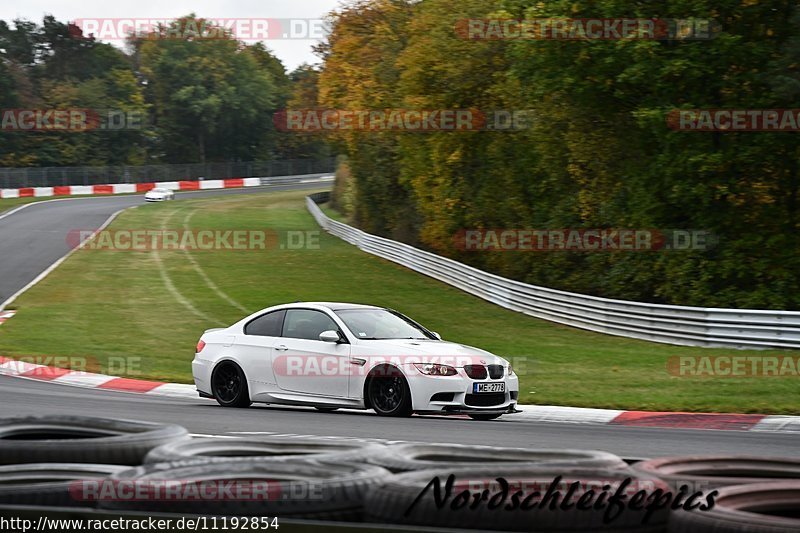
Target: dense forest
[
  {"x": 600, "y": 152},
  {"x": 189, "y": 99}
]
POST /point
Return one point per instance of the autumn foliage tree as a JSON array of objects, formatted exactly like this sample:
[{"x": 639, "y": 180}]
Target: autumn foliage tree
[{"x": 599, "y": 154}]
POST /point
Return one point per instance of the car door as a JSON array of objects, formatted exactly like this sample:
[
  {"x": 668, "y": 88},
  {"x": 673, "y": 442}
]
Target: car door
[
  {"x": 254, "y": 350},
  {"x": 303, "y": 363}
]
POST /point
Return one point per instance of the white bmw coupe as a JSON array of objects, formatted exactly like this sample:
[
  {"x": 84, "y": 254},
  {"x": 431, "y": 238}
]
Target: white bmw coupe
[
  {"x": 339, "y": 355},
  {"x": 159, "y": 195}
]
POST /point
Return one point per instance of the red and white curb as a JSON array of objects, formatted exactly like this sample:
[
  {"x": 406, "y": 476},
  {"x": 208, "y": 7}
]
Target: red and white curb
[
  {"x": 128, "y": 188},
  {"x": 530, "y": 413},
  {"x": 5, "y": 315},
  {"x": 62, "y": 376}
]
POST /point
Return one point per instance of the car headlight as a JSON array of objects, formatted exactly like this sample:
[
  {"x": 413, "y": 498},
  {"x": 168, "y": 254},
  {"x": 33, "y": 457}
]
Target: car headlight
[
  {"x": 510, "y": 370},
  {"x": 433, "y": 369}
]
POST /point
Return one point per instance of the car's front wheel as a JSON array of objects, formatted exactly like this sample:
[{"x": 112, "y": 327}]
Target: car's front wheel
[
  {"x": 230, "y": 386},
  {"x": 390, "y": 395}
]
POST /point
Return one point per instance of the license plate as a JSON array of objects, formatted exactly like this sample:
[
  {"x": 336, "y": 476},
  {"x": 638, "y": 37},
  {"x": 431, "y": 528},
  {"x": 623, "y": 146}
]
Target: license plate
[{"x": 488, "y": 387}]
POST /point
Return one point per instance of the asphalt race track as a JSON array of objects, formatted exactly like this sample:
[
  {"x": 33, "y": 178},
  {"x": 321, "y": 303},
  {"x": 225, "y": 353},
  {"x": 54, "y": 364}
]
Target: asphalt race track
[
  {"x": 20, "y": 396},
  {"x": 34, "y": 238}
]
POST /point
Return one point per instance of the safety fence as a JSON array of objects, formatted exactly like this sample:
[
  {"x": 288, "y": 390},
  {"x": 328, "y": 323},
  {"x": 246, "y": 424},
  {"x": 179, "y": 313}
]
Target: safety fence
[{"x": 16, "y": 178}]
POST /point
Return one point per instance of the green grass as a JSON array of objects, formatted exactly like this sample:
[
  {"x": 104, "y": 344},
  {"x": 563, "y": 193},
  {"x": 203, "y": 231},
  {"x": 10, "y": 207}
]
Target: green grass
[{"x": 104, "y": 304}]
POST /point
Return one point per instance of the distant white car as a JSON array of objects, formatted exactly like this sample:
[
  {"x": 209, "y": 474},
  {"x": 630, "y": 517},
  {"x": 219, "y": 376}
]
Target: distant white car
[
  {"x": 159, "y": 195},
  {"x": 332, "y": 355}
]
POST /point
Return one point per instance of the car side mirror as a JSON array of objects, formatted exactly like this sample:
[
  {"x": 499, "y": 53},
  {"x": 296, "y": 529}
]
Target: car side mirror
[
  {"x": 438, "y": 337},
  {"x": 330, "y": 336}
]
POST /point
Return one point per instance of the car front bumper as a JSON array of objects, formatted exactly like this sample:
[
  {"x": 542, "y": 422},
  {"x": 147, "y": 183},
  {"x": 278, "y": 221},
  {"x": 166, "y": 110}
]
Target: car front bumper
[{"x": 454, "y": 394}]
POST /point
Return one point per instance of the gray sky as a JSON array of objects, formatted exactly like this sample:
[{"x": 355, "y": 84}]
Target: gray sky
[{"x": 292, "y": 52}]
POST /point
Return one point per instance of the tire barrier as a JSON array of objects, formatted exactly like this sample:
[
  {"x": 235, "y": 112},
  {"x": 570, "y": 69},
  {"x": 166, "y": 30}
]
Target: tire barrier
[
  {"x": 411, "y": 498},
  {"x": 287, "y": 489},
  {"x": 412, "y": 456},
  {"x": 758, "y": 508},
  {"x": 216, "y": 450},
  {"x": 704, "y": 472},
  {"x": 92, "y": 465},
  {"x": 48, "y": 484},
  {"x": 81, "y": 439}
]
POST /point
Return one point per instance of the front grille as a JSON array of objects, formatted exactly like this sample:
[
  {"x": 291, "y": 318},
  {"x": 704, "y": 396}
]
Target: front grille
[
  {"x": 475, "y": 371},
  {"x": 496, "y": 371},
  {"x": 485, "y": 400}
]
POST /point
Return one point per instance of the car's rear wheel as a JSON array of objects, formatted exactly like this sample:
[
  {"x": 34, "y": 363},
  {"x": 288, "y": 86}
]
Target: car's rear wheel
[
  {"x": 484, "y": 417},
  {"x": 230, "y": 386},
  {"x": 390, "y": 395}
]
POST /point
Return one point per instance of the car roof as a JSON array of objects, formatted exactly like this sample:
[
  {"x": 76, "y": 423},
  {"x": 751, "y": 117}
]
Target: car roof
[{"x": 335, "y": 306}]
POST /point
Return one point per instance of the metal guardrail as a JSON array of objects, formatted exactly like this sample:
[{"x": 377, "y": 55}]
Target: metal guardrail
[
  {"x": 671, "y": 324},
  {"x": 14, "y": 178},
  {"x": 298, "y": 178}
]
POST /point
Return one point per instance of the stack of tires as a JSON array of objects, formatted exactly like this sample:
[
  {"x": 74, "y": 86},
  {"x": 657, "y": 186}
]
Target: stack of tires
[
  {"x": 754, "y": 494},
  {"x": 126, "y": 465},
  {"x": 132, "y": 466}
]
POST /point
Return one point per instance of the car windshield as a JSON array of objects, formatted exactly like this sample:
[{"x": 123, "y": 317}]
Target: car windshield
[{"x": 375, "y": 324}]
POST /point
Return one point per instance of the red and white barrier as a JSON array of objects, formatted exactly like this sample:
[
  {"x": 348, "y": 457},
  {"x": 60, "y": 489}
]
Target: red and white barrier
[{"x": 128, "y": 188}]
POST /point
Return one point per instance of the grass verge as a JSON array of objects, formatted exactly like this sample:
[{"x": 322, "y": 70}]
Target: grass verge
[{"x": 141, "y": 313}]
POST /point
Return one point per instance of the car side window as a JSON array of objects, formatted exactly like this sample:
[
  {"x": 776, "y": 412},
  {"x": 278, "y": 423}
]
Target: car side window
[
  {"x": 307, "y": 324},
  {"x": 268, "y": 325}
]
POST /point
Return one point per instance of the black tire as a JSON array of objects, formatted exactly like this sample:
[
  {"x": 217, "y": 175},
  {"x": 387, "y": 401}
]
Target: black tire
[
  {"x": 229, "y": 385},
  {"x": 389, "y": 395},
  {"x": 412, "y": 456},
  {"x": 51, "y": 484},
  {"x": 394, "y": 501},
  {"x": 296, "y": 489},
  {"x": 758, "y": 508},
  {"x": 705, "y": 472},
  {"x": 484, "y": 417},
  {"x": 81, "y": 439},
  {"x": 270, "y": 449}
]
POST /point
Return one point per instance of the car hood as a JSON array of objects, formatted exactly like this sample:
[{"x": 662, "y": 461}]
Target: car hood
[{"x": 428, "y": 350}]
